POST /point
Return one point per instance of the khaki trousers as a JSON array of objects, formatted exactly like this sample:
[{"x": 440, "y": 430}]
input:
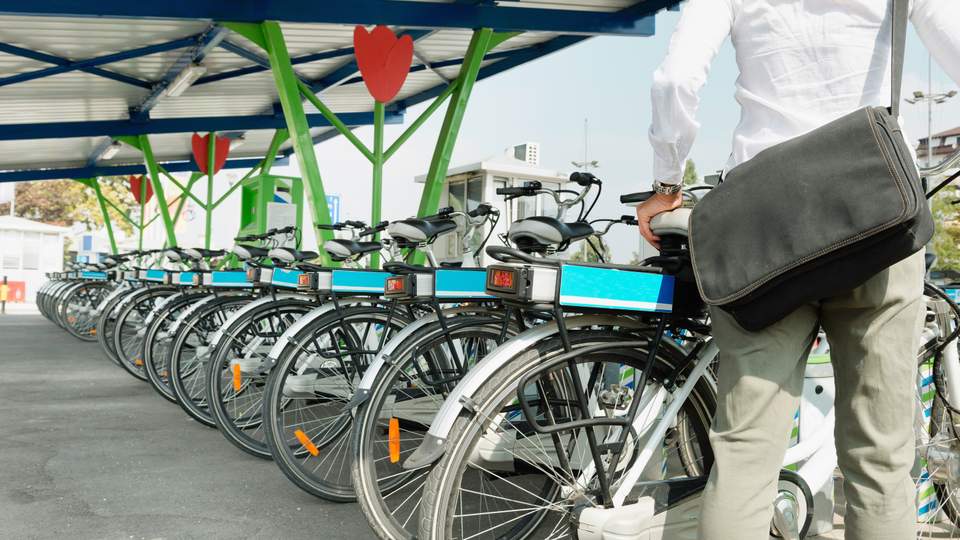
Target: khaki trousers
[{"x": 874, "y": 336}]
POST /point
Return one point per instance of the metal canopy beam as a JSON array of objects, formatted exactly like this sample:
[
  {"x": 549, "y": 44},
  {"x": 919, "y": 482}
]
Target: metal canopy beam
[
  {"x": 205, "y": 43},
  {"x": 116, "y": 128},
  {"x": 58, "y": 61},
  {"x": 121, "y": 170},
  {"x": 409, "y": 14},
  {"x": 100, "y": 60},
  {"x": 305, "y": 59}
]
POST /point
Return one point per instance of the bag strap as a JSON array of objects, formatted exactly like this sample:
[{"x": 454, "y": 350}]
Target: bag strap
[{"x": 901, "y": 11}]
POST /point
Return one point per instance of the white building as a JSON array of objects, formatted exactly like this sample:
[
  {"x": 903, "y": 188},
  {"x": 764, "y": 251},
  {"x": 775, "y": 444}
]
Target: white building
[
  {"x": 468, "y": 185},
  {"x": 28, "y": 250}
]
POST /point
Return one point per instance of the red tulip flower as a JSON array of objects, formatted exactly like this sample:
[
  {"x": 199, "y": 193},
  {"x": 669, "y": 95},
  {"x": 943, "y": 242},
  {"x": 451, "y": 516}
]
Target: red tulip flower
[
  {"x": 384, "y": 60},
  {"x": 201, "y": 151},
  {"x": 136, "y": 183}
]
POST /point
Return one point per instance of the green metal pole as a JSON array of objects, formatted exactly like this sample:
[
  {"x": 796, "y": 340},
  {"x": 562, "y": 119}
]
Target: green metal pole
[
  {"x": 377, "y": 190},
  {"x": 143, "y": 196},
  {"x": 430, "y": 198},
  {"x": 208, "y": 207},
  {"x": 154, "y": 172},
  {"x": 183, "y": 196},
  {"x": 424, "y": 116},
  {"x": 278, "y": 137},
  {"x": 95, "y": 184},
  {"x": 290, "y": 99}
]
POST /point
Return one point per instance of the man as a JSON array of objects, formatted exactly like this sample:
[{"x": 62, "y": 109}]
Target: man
[{"x": 802, "y": 64}]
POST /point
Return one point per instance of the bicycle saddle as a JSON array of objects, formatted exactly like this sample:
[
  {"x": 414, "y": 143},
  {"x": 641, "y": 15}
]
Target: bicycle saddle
[
  {"x": 290, "y": 255},
  {"x": 673, "y": 222},
  {"x": 548, "y": 230},
  {"x": 249, "y": 252},
  {"x": 419, "y": 230},
  {"x": 185, "y": 253},
  {"x": 343, "y": 249}
]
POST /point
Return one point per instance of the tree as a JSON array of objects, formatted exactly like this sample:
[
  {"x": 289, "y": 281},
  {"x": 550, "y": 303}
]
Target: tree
[
  {"x": 946, "y": 239},
  {"x": 585, "y": 253},
  {"x": 690, "y": 176},
  {"x": 65, "y": 202}
]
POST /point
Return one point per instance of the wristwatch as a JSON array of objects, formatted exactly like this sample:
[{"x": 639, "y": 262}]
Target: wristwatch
[{"x": 666, "y": 189}]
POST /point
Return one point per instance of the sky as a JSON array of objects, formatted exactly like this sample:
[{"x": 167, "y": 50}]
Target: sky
[{"x": 605, "y": 80}]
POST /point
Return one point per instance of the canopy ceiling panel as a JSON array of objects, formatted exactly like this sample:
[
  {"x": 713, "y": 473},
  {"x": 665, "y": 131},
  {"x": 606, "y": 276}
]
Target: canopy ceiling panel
[{"x": 75, "y": 74}]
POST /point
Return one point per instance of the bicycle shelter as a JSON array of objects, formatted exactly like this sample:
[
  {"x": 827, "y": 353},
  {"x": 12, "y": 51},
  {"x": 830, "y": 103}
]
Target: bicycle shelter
[{"x": 116, "y": 88}]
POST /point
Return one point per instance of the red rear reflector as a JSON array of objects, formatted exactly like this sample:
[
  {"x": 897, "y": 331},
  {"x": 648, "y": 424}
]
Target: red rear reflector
[
  {"x": 505, "y": 279},
  {"x": 303, "y": 280},
  {"x": 394, "y": 284}
]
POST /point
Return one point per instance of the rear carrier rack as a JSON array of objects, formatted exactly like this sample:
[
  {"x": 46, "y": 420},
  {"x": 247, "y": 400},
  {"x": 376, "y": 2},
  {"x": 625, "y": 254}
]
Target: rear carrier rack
[
  {"x": 583, "y": 286},
  {"x": 153, "y": 275},
  {"x": 285, "y": 278},
  {"x": 358, "y": 281},
  {"x": 187, "y": 279},
  {"x": 226, "y": 278}
]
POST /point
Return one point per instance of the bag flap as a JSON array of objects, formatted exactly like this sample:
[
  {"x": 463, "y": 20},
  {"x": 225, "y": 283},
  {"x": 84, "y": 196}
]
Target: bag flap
[{"x": 799, "y": 200}]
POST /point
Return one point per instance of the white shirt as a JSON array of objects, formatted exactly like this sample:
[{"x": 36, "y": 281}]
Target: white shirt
[{"x": 803, "y": 63}]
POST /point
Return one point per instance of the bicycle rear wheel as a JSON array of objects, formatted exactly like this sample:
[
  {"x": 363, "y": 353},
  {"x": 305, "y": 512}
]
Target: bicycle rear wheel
[
  {"x": 305, "y": 407},
  {"x": 239, "y": 369},
  {"x": 502, "y": 477},
  {"x": 393, "y": 420}
]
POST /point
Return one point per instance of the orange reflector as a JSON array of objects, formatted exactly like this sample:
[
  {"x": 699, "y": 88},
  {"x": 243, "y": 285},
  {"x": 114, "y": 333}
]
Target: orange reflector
[
  {"x": 236, "y": 377},
  {"x": 138, "y": 362},
  {"x": 307, "y": 443},
  {"x": 164, "y": 373},
  {"x": 394, "y": 438},
  {"x": 93, "y": 331}
]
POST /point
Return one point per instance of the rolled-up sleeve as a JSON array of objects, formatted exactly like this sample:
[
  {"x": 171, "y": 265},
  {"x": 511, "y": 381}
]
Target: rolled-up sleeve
[
  {"x": 936, "y": 24},
  {"x": 701, "y": 31}
]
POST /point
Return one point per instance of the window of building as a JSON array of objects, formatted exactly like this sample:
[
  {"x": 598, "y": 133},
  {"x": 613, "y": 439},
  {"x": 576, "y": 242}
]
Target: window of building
[
  {"x": 11, "y": 249},
  {"x": 31, "y": 250},
  {"x": 464, "y": 196}
]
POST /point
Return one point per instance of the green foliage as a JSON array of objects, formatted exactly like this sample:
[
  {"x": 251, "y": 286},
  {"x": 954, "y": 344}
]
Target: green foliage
[
  {"x": 690, "y": 175},
  {"x": 946, "y": 240},
  {"x": 585, "y": 253},
  {"x": 65, "y": 202}
]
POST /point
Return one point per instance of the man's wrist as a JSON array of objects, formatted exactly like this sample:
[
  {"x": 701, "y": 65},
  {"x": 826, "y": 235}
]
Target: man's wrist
[{"x": 663, "y": 188}]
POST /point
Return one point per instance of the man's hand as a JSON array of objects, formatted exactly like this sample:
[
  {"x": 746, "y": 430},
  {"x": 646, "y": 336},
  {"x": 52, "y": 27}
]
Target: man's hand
[{"x": 650, "y": 208}]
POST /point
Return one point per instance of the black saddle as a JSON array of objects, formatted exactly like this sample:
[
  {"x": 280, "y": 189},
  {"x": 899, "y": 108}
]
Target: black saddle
[
  {"x": 343, "y": 249},
  {"x": 419, "y": 230},
  {"x": 289, "y": 255},
  {"x": 548, "y": 230},
  {"x": 251, "y": 252}
]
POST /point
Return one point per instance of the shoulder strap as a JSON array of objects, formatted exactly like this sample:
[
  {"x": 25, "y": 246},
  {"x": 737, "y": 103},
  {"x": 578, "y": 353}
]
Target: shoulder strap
[{"x": 898, "y": 44}]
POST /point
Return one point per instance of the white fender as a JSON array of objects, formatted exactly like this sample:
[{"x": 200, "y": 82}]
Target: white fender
[
  {"x": 215, "y": 340},
  {"x": 432, "y": 446},
  {"x": 320, "y": 311}
]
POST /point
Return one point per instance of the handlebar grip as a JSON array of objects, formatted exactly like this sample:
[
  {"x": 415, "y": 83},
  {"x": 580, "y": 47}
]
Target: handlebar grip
[
  {"x": 632, "y": 198},
  {"x": 482, "y": 210},
  {"x": 355, "y": 224},
  {"x": 628, "y": 219},
  {"x": 584, "y": 178},
  {"x": 445, "y": 211},
  {"x": 511, "y": 191}
]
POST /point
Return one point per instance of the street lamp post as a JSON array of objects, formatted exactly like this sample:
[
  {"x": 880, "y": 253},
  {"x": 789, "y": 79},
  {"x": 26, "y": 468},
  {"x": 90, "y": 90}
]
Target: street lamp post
[{"x": 930, "y": 98}]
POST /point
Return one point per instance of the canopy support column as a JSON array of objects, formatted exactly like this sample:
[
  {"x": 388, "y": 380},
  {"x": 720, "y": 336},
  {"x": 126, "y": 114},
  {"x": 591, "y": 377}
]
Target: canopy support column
[
  {"x": 299, "y": 130},
  {"x": 154, "y": 172},
  {"x": 377, "y": 187},
  {"x": 208, "y": 207}
]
